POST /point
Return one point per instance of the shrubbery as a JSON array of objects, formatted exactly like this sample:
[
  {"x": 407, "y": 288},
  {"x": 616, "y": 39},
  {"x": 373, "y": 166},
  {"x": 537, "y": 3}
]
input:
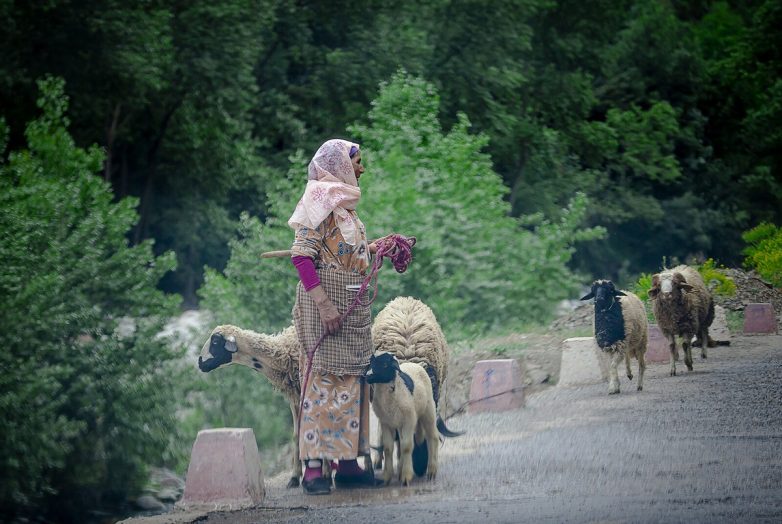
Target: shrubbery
[
  {"x": 764, "y": 251},
  {"x": 84, "y": 408}
]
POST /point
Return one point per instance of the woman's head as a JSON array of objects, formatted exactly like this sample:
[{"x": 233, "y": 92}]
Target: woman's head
[{"x": 334, "y": 158}]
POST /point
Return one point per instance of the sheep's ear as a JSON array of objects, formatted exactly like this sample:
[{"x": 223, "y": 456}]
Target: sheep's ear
[
  {"x": 618, "y": 293},
  {"x": 230, "y": 344},
  {"x": 654, "y": 292},
  {"x": 589, "y": 296},
  {"x": 685, "y": 287}
]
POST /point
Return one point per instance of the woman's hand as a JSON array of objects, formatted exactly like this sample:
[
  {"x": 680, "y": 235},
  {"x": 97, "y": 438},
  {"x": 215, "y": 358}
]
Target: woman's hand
[{"x": 329, "y": 314}]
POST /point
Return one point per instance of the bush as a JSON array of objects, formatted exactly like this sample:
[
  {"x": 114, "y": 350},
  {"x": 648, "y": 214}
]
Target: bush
[
  {"x": 84, "y": 408},
  {"x": 717, "y": 282},
  {"x": 764, "y": 251}
]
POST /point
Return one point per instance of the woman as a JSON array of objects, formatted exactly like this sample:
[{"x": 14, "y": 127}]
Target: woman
[{"x": 331, "y": 254}]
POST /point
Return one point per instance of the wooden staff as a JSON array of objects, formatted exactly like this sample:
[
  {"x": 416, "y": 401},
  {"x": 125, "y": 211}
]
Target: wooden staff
[
  {"x": 287, "y": 252},
  {"x": 277, "y": 254}
]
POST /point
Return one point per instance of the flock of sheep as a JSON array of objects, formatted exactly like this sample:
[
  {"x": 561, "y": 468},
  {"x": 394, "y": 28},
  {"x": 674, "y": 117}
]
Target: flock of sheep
[
  {"x": 410, "y": 362},
  {"x": 682, "y": 306}
]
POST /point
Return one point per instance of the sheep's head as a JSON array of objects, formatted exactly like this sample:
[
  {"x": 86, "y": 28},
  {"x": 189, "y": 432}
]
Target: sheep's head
[
  {"x": 604, "y": 292},
  {"x": 383, "y": 368},
  {"x": 218, "y": 350},
  {"x": 668, "y": 285}
]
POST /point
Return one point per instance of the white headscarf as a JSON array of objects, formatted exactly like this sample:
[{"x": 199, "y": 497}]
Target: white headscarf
[{"x": 332, "y": 188}]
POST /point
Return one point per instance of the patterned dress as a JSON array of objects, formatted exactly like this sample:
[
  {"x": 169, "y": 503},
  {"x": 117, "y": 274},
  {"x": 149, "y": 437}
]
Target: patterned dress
[{"x": 335, "y": 409}]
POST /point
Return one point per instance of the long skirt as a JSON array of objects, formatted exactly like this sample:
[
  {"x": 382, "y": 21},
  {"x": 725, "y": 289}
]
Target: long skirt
[{"x": 335, "y": 417}]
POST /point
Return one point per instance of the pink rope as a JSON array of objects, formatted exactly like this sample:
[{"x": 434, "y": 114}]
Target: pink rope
[{"x": 400, "y": 250}]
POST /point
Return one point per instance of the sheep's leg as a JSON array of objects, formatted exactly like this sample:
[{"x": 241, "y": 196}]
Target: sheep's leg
[
  {"x": 687, "y": 348},
  {"x": 296, "y": 463},
  {"x": 406, "y": 435},
  {"x": 379, "y": 457},
  {"x": 627, "y": 365},
  {"x": 706, "y": 341},
  {"x": 613, "y": 375},
  {"x": 674, "y": 353},
  {"x": 432, "y": 444},
  {"x": 387, "y": 439},
  {"x": 641, "y": 368}
]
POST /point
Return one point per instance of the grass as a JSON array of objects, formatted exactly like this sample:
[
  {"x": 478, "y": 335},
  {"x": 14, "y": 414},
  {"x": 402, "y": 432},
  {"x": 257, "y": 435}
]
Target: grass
[{"x": 735, "y": 321}]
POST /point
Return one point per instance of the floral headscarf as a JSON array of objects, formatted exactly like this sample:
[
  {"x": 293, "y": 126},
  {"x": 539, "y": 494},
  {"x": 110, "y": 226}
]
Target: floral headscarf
[{"x": 332, "y": 188}]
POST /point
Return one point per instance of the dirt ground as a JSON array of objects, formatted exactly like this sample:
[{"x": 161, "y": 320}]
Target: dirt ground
[{"x": 704, "y": 446}]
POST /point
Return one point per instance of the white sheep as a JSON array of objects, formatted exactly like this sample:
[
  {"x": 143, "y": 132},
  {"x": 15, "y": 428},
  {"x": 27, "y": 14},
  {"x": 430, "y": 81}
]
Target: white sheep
[
  {"x": 404, "y": 405},
  {"x": 275, "y": 356},
  {"x": 621, "y": 329},
  {"x": 682, "y": 306}
]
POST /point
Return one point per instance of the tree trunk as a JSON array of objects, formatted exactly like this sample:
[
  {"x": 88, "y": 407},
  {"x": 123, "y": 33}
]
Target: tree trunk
[
  {"x": 111, "y": 135},
  {"x": 152, "y": 159}
]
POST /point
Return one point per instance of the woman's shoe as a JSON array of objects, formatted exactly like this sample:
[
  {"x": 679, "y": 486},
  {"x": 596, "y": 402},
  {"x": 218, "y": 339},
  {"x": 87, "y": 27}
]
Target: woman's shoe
[
  {"x": 364, "y": 480},
  {"x": 316, "y": 486}
]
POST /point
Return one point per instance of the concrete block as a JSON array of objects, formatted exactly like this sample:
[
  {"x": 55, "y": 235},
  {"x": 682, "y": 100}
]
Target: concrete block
[
  {"x": 760, "y": 319},
  {"x": 581, "y": 362},
  {"x": 496, "y": 386},
  {"x": 657, "y": 350},
  {"x": 718, "y": 330},
  {"x": 224, "y": 470}
]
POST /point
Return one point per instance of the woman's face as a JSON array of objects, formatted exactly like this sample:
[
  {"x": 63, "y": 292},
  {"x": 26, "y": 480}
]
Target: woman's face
[{"x": 358, "y": 168}]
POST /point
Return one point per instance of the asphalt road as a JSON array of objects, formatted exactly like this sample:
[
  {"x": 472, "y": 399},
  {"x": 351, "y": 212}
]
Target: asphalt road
[{"x": 704, "y": 446}]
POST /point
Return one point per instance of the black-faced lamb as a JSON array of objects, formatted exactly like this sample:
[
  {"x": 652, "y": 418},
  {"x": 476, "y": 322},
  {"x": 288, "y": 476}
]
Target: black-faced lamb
[
  {"x": 408, "y": 329},
  {"x": 404, "y": 405},
  {"x": 621, "y": 329},
  {"x": 682, "y": 306}
]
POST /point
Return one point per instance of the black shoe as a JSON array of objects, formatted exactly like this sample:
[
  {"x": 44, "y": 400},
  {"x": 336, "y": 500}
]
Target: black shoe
[
  {"x": 365, "y": 480},
  {"x": 316, "y": 486}
]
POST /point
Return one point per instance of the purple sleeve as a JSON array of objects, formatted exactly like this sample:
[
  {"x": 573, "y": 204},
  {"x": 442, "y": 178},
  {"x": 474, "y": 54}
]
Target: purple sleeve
[{"x": 306, "y": 268}]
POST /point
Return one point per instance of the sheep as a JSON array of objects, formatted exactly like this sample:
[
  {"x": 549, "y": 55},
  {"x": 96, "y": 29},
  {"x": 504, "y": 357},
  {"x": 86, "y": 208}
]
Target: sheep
[
  {"x": 682, "y": 306},
  {"x": 408, "y": 329},
  {"x": 621, "y": 329},
  {"x": 404, "y": 404},
  {"x": 275, "y": 356}
]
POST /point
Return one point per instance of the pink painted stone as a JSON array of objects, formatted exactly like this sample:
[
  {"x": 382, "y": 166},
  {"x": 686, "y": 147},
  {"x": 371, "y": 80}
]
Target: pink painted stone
[
  {"x": 657, "y": 349},
  {"x": 760, "y": 318},
  {"x": 496, "y": 377},
  {"x": 224, "y": 470}
]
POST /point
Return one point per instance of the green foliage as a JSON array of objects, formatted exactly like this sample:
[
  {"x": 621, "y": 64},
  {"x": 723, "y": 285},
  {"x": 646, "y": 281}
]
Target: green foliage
[
  {"x": 715, "y": 280},
  {"x": 441, "y": 188},
  {"x": 764, "y": 251},
  {"x": 85, "y": 407}
]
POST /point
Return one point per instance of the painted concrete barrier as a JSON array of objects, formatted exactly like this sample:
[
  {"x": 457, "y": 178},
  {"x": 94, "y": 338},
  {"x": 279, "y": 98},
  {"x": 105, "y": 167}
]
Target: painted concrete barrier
[
  {"x": 581, "y": 363},
  {"x": 657, "y": 350},
  {"x": 496, "y": 386},
  {"x": 760, "y": 319},
  {"x": 224, "y": 471}
]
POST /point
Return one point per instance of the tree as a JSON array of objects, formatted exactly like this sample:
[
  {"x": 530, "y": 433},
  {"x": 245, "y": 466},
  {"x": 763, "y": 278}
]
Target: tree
[{"x": 85, "y": 404}]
